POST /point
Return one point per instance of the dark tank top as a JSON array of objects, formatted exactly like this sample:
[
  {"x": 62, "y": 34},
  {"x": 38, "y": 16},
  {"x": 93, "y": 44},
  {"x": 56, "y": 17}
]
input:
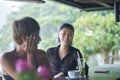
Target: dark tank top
[{"x": 7, "y": 77}]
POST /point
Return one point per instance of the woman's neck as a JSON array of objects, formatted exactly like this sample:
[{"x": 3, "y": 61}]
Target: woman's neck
[
  {"x": 64, "y": 47},
  {"x": 20, "y": 52},
  {"x": 63, "y": 51}
]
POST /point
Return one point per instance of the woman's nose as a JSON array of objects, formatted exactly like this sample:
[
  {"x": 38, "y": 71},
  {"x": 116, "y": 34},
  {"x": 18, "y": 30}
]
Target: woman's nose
[{"x": 66, "y": 36}]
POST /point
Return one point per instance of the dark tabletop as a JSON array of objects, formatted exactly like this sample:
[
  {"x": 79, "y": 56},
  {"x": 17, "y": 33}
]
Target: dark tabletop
[{"x": 103, "y": 72}]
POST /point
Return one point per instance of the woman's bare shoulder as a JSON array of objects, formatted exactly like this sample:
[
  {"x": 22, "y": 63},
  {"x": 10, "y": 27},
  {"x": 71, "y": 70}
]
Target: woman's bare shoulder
[
  {"x": 40, "y": 51},
  {"x": 41, "y": 54},
  {"x": 7, "y": 55}
]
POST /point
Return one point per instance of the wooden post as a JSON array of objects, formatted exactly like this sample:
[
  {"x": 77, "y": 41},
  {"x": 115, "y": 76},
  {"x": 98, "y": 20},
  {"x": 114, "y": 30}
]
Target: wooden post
[{"x": 117, "y": 11}]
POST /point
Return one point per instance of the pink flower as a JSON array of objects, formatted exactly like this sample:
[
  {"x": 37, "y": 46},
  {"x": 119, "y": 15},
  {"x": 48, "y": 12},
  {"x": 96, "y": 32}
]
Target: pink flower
[
  {"x": 22, "y": 65},
  {"x": 43, "y": 71}
]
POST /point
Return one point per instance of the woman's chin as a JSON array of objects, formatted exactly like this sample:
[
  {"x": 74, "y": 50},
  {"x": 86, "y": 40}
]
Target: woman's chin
[{"x": 65, "y": 43}]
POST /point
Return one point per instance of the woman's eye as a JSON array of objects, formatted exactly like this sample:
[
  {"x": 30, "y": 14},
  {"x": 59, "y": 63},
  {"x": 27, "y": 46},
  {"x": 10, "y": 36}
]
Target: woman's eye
[
  {"x": 70, "y": 34},
  {"x": 63, "y": 34}
]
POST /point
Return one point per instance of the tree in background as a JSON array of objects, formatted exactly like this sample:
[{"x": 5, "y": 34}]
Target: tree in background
[{"x": 98, "y": 33}]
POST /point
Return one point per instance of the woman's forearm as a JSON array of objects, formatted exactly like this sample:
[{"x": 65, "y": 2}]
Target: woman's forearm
[
  {"x": 31, "y": 60},
  {"x": 59, "y": 75}
]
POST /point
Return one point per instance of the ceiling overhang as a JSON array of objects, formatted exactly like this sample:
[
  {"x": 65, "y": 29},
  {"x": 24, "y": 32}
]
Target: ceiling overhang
[
  {"x": 95, "y": 5},
  {"x": 89, "y": 5}
]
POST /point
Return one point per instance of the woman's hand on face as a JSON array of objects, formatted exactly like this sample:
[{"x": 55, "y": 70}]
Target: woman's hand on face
[
  {"x": 30, "y": 47},
  {"x": 30, "y": 44},
  {"x": 59, "y": 75}
]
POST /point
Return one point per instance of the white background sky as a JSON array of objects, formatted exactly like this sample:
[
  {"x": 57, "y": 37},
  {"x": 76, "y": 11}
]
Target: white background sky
[{"x": 6, "y": 7}]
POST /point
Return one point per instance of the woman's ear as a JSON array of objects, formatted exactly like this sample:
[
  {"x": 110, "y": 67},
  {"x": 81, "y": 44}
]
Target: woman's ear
[
  {"x": 58, "y": 34},
  {"x": 58, "y": 39}
]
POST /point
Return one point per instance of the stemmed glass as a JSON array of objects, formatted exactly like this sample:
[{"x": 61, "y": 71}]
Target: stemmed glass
[{"x": 81, "y": 65}]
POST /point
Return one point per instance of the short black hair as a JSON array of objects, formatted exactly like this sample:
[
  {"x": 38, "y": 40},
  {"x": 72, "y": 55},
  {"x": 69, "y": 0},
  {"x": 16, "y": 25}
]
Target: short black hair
[
  {"x": 25, "y": 26},
  {"x": 66, "y": 25}
]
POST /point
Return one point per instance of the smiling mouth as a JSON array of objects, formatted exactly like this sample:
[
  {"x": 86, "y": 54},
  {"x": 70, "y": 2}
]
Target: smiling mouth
[{"x": 66, "y": 40}]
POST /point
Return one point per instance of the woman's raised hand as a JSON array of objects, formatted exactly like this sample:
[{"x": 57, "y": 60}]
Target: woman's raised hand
[{"x": 30, "y": 44}]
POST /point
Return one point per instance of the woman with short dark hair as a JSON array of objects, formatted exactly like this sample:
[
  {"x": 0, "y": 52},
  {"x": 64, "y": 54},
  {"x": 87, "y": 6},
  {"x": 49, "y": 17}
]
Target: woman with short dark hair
[
  {"x": 64, "y": 57},
  {"x": 26, "y": 37}
]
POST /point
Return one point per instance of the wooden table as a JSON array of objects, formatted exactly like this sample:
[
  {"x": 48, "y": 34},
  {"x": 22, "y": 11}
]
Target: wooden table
[{"x": 104, "y": 72}]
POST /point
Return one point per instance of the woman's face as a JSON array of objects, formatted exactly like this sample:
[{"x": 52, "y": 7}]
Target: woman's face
[
  {"x": 65, "y": 36},
  {"x": 31, "y": 41},
  {"x": 37, "y": 37}
]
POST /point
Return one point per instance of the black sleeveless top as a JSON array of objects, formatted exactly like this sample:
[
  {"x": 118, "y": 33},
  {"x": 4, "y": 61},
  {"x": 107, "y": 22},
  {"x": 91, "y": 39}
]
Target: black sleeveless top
[{"x": 7, "y": 77}]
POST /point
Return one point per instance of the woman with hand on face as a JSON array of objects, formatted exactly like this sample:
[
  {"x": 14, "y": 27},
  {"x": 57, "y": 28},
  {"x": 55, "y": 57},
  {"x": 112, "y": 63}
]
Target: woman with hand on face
[
  {"x": 26, "y": 37},
  {"x": 64, "y": 57}
]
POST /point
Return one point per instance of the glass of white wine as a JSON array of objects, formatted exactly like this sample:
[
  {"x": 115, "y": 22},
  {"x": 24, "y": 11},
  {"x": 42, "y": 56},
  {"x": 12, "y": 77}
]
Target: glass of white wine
[{"x": 81, "y": 65}]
